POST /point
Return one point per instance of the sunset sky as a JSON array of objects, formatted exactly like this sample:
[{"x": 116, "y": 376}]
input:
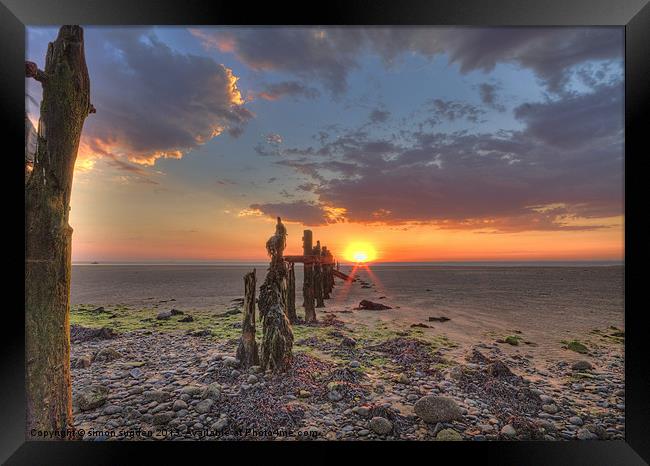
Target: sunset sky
[{"x": 430, "y": 144}]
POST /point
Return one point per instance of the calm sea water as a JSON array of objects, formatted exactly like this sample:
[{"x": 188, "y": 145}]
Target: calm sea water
[{"x": 575, "y": 292}]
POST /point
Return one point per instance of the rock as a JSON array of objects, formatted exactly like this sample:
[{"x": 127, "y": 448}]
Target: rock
[
  {"x": 585, "y": 434},
  {"x": 334, "y": 395},
  {"x": 80, "y": 334},
  {"x": 578, "y": 347},
  {"x": 178, "y": 405},
  {"x": 448, "y": 435},
  {"x": 550, "y": 408},
  {"x": 82, "y": 362},
  {"x": 220, "y": 424},
  {"x": 156, "y": 395},
  {"x": 112, "y": 409},
  {"x": 380, "y": 425},
  {"x": 231, "y": 361},
  {"x": 402, "y": 378},
  {"x": 107, "y": 355},
  {"x": 187, "y": 318},
  {"x": 576, "y": 420},
  {"x": 512, "y": 340},
  {"x": 251, "y": 379},
  {"x": 349, "y": 342},
  {"x": 164, "y": 315},
  {"x": 91, "y": 397},
  {"x": 304, "y": 393},
  {"x": 176, "y": 312},
  {"x": 192, "y": 390},
  {"x": 136, "y": 373},
  {"x": 204, "y": 406},
  {"x": 199, "y": 333},
  {"x": 420, "y": 325},
  {"x": 354, "y": 364},
  {"x": 434, "y": 409},
  {"x": 370, "y": 306},
  {"x": 162, "y": 418},
  {"x": 362, "y": 411},
  {"x": 213, "y": 391},
  {"x": 439, "y": 319},
  {"x": 581, "y": 366},
  {"x": 508, "y": 431},
  {"x": 499, "y": 369}
]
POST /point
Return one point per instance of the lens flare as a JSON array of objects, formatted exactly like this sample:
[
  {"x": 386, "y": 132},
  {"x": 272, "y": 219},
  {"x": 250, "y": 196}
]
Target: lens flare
[{"x": 360, "y": 252}]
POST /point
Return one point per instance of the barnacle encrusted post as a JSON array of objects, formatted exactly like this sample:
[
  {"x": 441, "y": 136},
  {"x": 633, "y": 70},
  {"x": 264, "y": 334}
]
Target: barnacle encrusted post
[
  {"x": 247, "y": 351},
  {"x": 277, "y": 340}
]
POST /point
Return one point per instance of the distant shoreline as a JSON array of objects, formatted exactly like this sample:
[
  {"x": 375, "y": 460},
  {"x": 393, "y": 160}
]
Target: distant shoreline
[{"x": 373, "y": 264}]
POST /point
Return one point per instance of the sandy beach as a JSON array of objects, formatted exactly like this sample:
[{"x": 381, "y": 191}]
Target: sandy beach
[{"x": 371, "y": 364}]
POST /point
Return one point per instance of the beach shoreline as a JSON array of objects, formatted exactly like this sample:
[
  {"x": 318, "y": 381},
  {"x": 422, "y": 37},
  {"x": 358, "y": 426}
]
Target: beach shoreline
[{"x": 369, "y": 364}]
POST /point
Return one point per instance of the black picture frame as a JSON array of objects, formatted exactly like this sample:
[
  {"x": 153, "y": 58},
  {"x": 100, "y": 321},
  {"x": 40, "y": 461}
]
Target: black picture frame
[{"x": 634, "y": 15}]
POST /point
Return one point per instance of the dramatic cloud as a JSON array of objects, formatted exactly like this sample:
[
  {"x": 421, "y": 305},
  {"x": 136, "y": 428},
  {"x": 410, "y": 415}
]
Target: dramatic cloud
[
  {"x": 293, "y": 89},
  {"x": 153, "y": 102},
  {"x": 453, "y": 110},
  {"x": 330, "y": 54},
  {"x": 563, "y": 170},
  {"x": 488, "y": 93},
  {"x": 379, "y": 116},
  {"x": 300, "y": 211}
]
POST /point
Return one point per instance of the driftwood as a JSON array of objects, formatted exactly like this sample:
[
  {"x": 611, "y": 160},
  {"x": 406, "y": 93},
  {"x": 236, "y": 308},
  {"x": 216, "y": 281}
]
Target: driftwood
[
  {"x": 247, "y": 352},
  {"x": 277, "y": 340},
  {"x": 65, "y": 106}
]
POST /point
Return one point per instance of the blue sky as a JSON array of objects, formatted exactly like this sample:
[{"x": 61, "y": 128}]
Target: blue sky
[{"x": 482, "y": 130}]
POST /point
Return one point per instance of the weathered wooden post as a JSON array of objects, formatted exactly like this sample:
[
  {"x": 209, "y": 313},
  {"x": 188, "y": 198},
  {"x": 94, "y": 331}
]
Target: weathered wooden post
[
  {"x": 308, "y": 283},
  {"x": 48, "y": 236},
  {"x": 291, "y": 294},
  {"x": 277, "y": 340},
  {"x": 327, "y": 272},
  {"x": 247, "y": 352},
  {"x": 318, "y": 276}
]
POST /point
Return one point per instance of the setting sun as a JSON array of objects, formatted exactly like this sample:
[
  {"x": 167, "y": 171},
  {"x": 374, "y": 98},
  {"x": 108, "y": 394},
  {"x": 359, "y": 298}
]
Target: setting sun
[{"x": 360, "y": 252}]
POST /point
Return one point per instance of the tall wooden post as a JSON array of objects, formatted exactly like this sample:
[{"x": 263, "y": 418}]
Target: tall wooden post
[
  {"x": 247, "y": 352},
  {"x": 318, "y": 276},
  {"x": 48, "y": 237},
  {"x": 308, "y": 283},
  {"x": 291, "y": 294}
]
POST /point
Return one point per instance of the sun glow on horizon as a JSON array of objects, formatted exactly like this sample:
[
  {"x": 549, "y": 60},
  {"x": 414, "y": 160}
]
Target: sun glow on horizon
[{"x": 360, "y": 252}]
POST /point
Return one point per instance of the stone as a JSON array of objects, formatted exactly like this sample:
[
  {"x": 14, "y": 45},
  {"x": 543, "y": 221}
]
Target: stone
[
  {"x": 82, "y": 362},
  {"x": 362, "y": 411},
  {"x": 220, "y": 424},
  {"x": 334, "y": 395},
  {"x": 576, "y": 420},
  {"x": 448, "y": 435},
  {"x": 176, "y": 312},
  {"x": 439, "y": 319},
  {"x": 550, "y": 408},
  {"x": 251, "y": 379},
  {"x": 91, "y": 397},
  {"x": 136, "y": 373},
  {"x": 370, "y": 306},
  {"x": 107, "y": 355},
  {"x": 304, "y": 393},
  {"x": 178, "y": 405},
  {"x": 349, "y": 342},
  {"x": 192, "y": 390},
  {"x": 156, "y": 395},
  {"x": 585, "y": 434},
  {"x": 581, "y": 366},
  {"x": 204, "y": 406},
  {"x": 231, "y": 361},
  {"x": 354, "y": 364},
  {"x": 380, "y": 425},
  {"x": 434, "y": 409},
  {"x": 402, "y": 378},
  {"x": 187, "y": 318},
  {"x": 112, "y": 409},
  {"x": 164, "y": 315},
  {"x": 508, "y": 431},
  {"x": 212, "y": 391},
  {"x": 162, "y": 418}
]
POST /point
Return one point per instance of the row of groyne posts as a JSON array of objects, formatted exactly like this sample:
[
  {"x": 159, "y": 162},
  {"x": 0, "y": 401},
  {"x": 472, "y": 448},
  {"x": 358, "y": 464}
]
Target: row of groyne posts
[{"x": 277, "y": 299}]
